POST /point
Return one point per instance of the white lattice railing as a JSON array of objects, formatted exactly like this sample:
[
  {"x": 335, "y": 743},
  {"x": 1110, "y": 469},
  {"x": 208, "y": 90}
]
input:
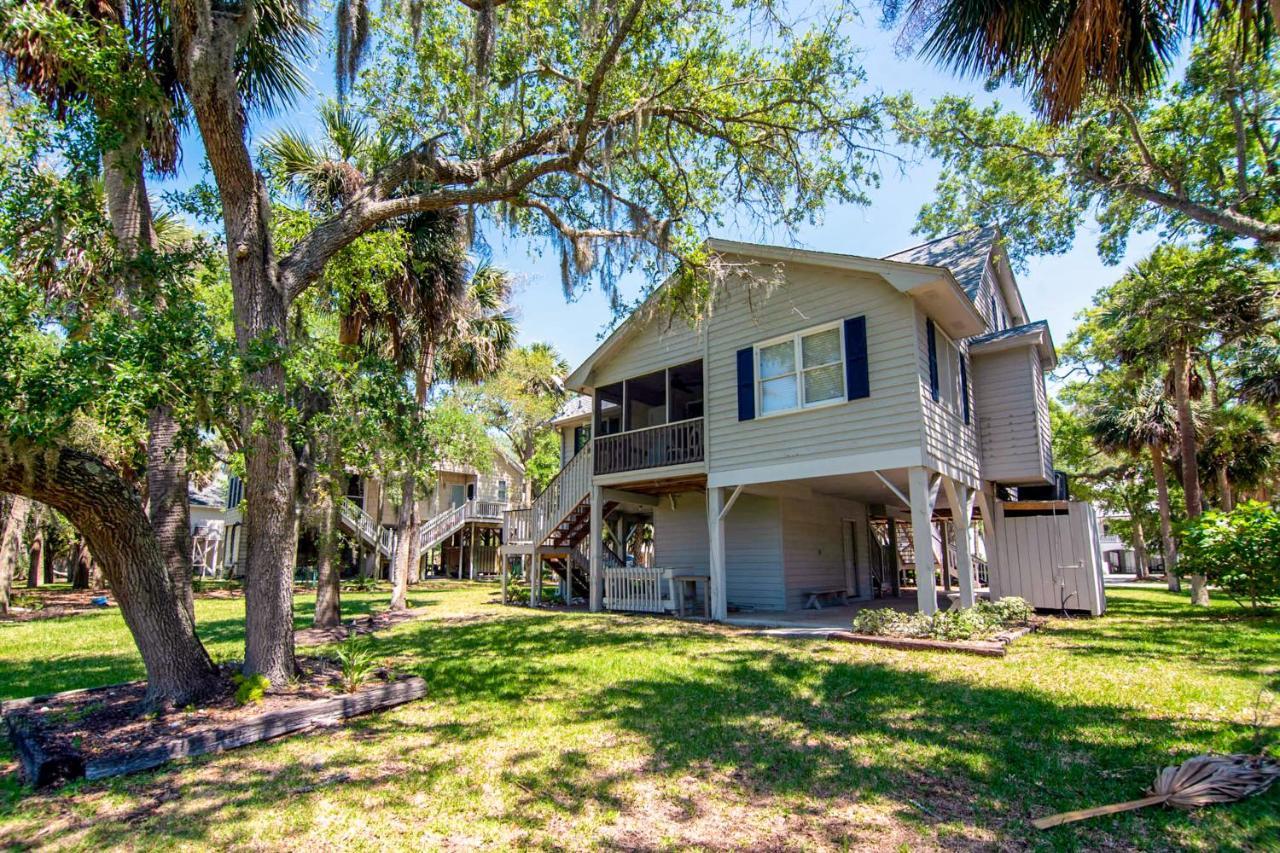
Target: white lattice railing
[
  {"x": 517, "y": 526},
  {"x": 446, "y": 522},
  {"x": 633, "y": 588}
]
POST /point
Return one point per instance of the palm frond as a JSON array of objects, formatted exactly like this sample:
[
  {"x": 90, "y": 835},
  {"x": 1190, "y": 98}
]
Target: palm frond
[{"x": 269, "y": 67}]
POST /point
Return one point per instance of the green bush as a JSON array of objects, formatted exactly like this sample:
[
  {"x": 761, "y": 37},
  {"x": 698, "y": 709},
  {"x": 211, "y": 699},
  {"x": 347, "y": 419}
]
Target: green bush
[
  {"x": 985, "y": 619},
  {"x": 357, "y": 662},
  {"x": 1238, "y": 551},
  {"x": 520, "y": 594},
  {"x": 250, "y": 688}
]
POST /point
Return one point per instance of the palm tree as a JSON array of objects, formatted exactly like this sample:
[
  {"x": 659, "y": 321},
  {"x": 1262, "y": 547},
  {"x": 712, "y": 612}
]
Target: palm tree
[
  {"x": 444, "y": 321},
  {"x": 323, "y": 173},
  {"x": 1138, "y": 423},
  {"x": 1239, "y": 449},
  {"x": 1066, "y": 49}
]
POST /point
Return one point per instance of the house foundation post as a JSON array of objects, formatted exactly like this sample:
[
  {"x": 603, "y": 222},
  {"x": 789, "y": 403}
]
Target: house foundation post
[
  {"x": 987, "y": 503},
  {"x": 960, "y": 497},
  {"x": 715, "y": 527},
  {"x": 595, "y": 581},
  {"x": 923, "y": 494}
]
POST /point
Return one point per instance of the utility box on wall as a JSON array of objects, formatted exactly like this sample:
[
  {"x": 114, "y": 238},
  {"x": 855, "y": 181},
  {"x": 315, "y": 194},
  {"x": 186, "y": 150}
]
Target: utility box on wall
[{"x": 1049, "y": 553}]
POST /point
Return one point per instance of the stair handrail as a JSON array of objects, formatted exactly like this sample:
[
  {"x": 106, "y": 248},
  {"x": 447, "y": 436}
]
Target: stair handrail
[
  {"x": 570, "y": 485},
  {"x": 359, "y": 520},
  {"x": 434, "y": 528}
]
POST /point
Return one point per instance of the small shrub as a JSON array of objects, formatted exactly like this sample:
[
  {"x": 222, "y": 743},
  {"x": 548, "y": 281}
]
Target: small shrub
[
  {"x": 1238, "y": 551},
  {"x": 27, "y": 601},
  {"x": 970, "y": 623},
  {"x": 356, "y": 662},
  {"x": 250, "y": 688},
  {"x": 1009, "y": 611}
]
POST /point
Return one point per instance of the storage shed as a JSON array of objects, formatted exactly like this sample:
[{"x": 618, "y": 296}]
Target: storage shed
[{"x": 1048, "y": 552}]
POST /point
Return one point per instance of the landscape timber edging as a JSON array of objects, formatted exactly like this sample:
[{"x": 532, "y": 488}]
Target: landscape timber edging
[
  {"x": 40, "y": 768},
  {"x": 995, "y": 647}
]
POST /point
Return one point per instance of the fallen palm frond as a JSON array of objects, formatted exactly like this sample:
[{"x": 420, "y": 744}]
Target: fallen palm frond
[{"x": 1196, "y": 782}]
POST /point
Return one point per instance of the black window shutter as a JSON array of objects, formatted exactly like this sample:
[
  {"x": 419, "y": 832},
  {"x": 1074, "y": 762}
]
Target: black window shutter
[
  {"x": 933, "y": 358},
  {"x": 856, "y": 371},
  {"x": 746, "y": 384},
  {"x": 964, "y": 385}
]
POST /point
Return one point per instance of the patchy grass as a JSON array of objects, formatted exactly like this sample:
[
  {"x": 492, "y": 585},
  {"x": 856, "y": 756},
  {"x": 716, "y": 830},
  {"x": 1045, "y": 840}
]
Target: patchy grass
[{"x": 553, "y": 730}]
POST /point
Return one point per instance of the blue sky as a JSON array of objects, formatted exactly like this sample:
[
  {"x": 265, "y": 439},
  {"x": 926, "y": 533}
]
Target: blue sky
[{"x": 1054, "y": 288}]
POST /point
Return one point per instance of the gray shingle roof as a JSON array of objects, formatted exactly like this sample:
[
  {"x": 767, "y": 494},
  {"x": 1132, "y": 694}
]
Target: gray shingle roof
[
  {"x": 964, "y": 253},
  {"x": 1012, "y": 332},
  {"x": 574, "y": 407}
]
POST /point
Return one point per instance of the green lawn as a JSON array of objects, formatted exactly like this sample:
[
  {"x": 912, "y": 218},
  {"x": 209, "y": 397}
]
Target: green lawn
[{"x": 576, "y": 731}]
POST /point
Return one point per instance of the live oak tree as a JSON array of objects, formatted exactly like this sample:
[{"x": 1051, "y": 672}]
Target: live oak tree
[
  {"x": 1194, "y": 157},
  {"x": 82, "y": 374},
  {"x": 616, "y": 131}
]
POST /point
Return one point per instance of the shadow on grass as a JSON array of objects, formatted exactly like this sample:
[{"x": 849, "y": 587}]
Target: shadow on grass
[{"x": 759, "y": 719}]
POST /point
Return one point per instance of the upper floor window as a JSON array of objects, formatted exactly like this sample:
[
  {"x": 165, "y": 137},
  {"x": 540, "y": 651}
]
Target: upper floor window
[
  {"x": 502, "y": 491},
  {"x": 581, "y": 435},
  {"x": 801, "y": 370},
  {"x": 948, "y": 371}
]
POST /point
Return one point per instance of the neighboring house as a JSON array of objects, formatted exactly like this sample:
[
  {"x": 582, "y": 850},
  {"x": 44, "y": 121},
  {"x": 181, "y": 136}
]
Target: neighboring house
[
  {"x": 460, "y": 531},
  {"x": 217, "y": 539},
  {"x": 785, "y": 448}
]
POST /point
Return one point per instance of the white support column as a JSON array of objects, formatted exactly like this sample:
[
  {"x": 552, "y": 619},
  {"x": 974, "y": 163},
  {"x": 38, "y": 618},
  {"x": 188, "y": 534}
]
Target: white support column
[
  {"x": 960, "y": 497},
  {"x": 506, "y": 574},
  {"x": 922, "y": 498},
  {"x": 595, "y": 535},
  {"x": 987, "y": 503},
  {"x": 715, "y": 529}
]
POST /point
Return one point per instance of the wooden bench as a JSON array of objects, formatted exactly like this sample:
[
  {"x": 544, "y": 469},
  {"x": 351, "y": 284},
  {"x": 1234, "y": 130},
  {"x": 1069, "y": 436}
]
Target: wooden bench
[{"x": 815, "y": 594}]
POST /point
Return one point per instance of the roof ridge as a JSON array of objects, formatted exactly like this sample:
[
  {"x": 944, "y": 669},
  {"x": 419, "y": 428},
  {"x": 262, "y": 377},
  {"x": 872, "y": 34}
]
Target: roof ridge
[{"x": 978, "y": 229}]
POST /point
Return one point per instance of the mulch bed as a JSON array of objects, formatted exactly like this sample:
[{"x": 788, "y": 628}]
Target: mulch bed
[
  {"x": 994, "y": 647},
  {"x": 103, "y": 732},
  {"x": 55, "y": 603}
]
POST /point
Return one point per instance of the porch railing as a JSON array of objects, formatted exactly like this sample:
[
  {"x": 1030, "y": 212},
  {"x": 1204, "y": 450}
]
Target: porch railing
[
  {"x": 661, "y": 446},
  {"x": 633, "y": 588},
  {"x": 517, "y": 526}
]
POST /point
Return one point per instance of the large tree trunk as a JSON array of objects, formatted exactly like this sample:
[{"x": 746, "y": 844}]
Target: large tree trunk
[
  {"x": 328, "y": 573},
  {"x": 405, "y": 533},
  {"x": 78, "y": 566},
  {"x": 207, "y": 42},
  {"x": 109, "y": 515},
  {"x": 15, "y": 524},
  {"x": 168, "y": 502},
  {"x": 1226, "y": 496},
  {"x": 1187, "y": 446},
  {"x": 1166, "y": 522}
]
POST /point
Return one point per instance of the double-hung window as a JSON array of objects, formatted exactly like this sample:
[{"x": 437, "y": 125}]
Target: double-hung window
[
  {"x": 801, "y": 370},
  {"x": 948, "y": 371}
]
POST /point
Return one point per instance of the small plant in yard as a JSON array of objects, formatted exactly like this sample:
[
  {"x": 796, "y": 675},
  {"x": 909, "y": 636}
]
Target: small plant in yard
[
  {"x": 356, "y": 662},
  {"x": 27, "y": 601},
  {"x": 250, "y": 688}
]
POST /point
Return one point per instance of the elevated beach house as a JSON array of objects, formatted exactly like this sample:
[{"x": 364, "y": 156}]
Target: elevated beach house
[{"x": 800, "y": 443}]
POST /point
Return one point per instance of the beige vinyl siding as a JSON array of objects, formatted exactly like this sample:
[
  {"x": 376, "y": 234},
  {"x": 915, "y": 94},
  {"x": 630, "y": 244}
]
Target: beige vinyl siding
[
  {"x": 811, "y": 296},
  {"x": 438, "y": 500},
  {"x": 662, "y": 342},
  {"x": 950, "y": 445},
  {"x": 753, "y": 546},
  {"x": 814, "y": 542},
  {"x": 1008, "y": 390}
]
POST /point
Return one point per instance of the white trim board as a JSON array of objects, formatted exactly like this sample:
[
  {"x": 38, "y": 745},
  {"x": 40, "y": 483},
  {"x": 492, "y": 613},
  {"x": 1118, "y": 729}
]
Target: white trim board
[{"x": 858, "y": 463}]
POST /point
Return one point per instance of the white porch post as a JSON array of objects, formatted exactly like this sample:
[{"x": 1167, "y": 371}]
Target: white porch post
[
  {"x": 715, "y": 529},
  {"x": 987, "y": 503},
  {"x": 922, "y": 498},
  {"x": 960, "y": 497},
  {"x": 596, "y": 537}
]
